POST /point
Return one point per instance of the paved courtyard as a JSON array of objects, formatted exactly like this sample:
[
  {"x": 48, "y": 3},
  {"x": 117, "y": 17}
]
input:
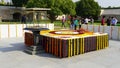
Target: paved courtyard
[{"x": 12, "y": 56}]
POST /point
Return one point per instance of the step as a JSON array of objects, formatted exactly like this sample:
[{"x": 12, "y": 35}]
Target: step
[
  {"x": 35, "y": 48},
  {"x": 34, "y": 52}
]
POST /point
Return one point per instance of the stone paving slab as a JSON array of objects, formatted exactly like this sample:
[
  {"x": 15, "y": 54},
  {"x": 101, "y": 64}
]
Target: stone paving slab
[{"x": 12, "y": 56}]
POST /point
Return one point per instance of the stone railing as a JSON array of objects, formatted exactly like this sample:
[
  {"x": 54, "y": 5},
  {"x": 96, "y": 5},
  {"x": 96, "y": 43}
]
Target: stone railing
[
  {"x": 113, "y": 31},
  {"x": 16, "y": 30}
]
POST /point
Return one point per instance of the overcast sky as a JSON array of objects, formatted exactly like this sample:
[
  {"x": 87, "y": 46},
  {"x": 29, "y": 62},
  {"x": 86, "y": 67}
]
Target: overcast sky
[{"x": 106, "y": 3}]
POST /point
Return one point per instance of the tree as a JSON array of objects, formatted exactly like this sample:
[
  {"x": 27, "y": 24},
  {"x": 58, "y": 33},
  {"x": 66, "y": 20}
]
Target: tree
[
  {"x": 109, "y": 7},
  {"x": 58, "y": 7},
  {"x": 2, "y": 2},
  {"x": 19, "y": 3},
  {"x": 86, "y": 8}
]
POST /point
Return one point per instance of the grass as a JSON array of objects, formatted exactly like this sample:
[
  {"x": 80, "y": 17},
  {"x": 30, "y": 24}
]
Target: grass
[{"x": 56, "y": 23}]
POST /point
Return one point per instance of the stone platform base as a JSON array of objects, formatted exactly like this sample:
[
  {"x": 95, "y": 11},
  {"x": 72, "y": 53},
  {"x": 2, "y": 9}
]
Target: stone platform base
[{"x": 34, "y": 50}]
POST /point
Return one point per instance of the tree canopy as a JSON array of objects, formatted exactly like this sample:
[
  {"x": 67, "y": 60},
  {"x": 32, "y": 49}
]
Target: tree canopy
[
  {"x": 2, "y": 2},
  {"x": 19, "y": 3},
  {"x": 58, "y": 7},
  {"x": 86, "y": 8}
]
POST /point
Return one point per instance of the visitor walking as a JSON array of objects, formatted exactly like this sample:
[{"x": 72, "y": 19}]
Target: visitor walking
[
  {"x": 23, "y": 19},
  {"x": 80, "y": 22},
  {"x": 114, "y": 21},
  {"x": 86, "y": 20},
  {"x": 76, "y": 23},
  {"x": 0, "y": 18},
  {"x": 103, "y": 20},
  {"x": 63, "y": 21},
  {"x": 108, "y": 21},
  {"x": 71, "y": 23},
  {"x": 91, "y": 20}
]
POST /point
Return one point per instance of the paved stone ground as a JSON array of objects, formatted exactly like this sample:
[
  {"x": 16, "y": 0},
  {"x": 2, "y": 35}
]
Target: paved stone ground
[{"x": 12, "y": 56}]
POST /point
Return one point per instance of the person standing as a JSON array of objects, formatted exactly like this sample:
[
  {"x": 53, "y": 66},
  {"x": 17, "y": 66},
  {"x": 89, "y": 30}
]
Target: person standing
[
  {"x": 108, "y": 21},
  {"x": 80, "y": 23},
  {"x": 86, "y": 20},
  {"x": 76, "y": 23},
  {"x": 91, "y": 20},
  {"x": 71, "y": 23},
  {"x": 103, "y": 20},
  {"x": 23, "y": 19},
  {"x": 63, "y": 21},
  {"x": 114, "y": 21},
  {"x": 0, "y": 18}
]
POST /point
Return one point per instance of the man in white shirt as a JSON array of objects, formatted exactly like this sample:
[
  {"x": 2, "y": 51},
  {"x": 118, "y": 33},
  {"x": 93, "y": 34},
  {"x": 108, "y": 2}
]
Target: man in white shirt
[
  {"x": 86, "y": 20},
  {"x": 114, "y": 21}
]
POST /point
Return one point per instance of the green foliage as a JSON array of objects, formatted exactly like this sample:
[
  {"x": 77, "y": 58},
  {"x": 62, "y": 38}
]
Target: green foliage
[
  {"x": 86, "y": 8},
  {"x": 58, "y": 7},
  {"x": 2, "y": 2},
  {"x": 36, "y": 3},
  {"x": 68, "y": 7},
  {"x": 19, "y": 3}
]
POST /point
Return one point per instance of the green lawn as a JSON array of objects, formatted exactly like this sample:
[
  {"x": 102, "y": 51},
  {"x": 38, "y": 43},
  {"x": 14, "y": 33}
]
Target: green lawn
[
  {"x": 98, "y": 23},
  {"x": 56, "y": 23}
]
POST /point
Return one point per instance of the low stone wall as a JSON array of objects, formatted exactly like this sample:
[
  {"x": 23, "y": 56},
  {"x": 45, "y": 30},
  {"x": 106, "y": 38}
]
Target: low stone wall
[
  {"x": 113, "y": 31},
  {"x": 16, "y": 30}
]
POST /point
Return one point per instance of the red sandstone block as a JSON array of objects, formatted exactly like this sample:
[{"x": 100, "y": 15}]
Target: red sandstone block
[{"x": 29, "y": 39}]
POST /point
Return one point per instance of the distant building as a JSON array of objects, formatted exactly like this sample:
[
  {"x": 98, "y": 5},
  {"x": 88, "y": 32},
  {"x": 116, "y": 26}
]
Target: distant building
[
  {"x": 110, "y": 13},
  {"x": 9, "y": 13},
  {"x": 36, "y": 14},
  {"x": 60, "y": 17}
]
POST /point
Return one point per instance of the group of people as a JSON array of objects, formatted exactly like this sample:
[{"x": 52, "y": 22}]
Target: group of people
[
  {"x": 111, "y": 21},
  {"x": 76, "y": 22}
]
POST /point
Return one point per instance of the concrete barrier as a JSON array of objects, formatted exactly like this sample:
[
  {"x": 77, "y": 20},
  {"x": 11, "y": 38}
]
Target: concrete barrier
[
  {"x": 16, "y": 30},
  {"x": 113, "y": 31}
]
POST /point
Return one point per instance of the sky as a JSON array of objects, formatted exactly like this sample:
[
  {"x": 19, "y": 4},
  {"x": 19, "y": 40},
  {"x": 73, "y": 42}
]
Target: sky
[
  {"x": 104, "y": 3},
  {"x": 6, "y": 0}
]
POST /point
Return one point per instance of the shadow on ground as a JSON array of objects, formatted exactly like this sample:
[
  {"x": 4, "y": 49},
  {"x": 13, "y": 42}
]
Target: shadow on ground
[
  {"x": 13, "y": 47},
  {"x": 47, "y": 55}
]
